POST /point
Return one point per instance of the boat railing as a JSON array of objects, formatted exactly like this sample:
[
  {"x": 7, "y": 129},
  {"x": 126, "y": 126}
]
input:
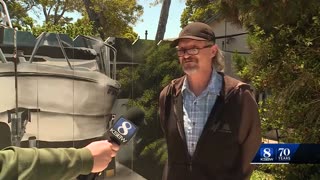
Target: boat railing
[
  {"x": 4, "y": 15},
  {"x": 114, "y": 60},
  {"x": 52, "y": 47},
  {"x": 2, "y": 57},
  {"x": 105, "y": 53},
  {"x": 40, "y": 41}
]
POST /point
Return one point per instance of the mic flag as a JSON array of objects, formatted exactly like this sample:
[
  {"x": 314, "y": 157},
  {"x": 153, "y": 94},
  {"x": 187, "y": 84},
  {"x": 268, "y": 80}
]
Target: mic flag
[
  {"x": 122, "y": 130},
  {"x": 126, "y": 126}
]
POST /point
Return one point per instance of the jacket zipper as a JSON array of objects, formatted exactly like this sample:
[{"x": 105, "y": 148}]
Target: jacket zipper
[
  {"x": 189, "y": 162},
  {"x": 190, "y": 166}
]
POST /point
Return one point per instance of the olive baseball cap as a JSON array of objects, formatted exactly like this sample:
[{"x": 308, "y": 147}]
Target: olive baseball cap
[{"x": 197, "y": 31}]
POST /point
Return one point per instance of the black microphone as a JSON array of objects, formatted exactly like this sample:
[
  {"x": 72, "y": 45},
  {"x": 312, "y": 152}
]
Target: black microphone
[{"x": 125, "y": 127}]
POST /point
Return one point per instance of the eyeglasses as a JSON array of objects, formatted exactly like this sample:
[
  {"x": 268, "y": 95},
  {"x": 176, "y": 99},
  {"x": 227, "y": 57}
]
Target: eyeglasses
[{"x": 192, "y": 51}]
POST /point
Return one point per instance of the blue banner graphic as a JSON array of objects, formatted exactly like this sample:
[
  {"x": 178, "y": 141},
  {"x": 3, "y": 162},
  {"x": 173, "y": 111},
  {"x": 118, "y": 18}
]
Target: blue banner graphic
[{"x": 287, "y": 154}]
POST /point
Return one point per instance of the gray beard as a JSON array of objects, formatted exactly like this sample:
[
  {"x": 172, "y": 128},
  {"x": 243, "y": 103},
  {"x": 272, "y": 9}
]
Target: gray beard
[{"x": 190, "y": 70}]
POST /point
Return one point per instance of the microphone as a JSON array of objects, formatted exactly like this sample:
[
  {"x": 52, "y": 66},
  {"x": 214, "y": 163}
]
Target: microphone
[{"x": 125, "y": 127}]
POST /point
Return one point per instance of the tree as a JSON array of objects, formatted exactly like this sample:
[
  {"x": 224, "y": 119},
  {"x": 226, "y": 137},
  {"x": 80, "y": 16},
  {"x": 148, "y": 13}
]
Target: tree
[
  {"x": 18, "y": 14},
  {"x": 285, "y": 52},
  {"x": 112, "y": 18},
  {"x": 159, "y": 68},
  {"x": 80, "y": 27},
  {"x": 163, "y": 20},
  {"x": 54, "y": 10},
  {"x": 199, "y": 10},
  {"x": 94, "y": 17}
]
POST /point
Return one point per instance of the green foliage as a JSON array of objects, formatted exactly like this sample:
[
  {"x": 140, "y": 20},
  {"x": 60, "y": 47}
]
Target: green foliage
[
  {"x": 129, "y": 34},
  {"x": 199, "y": 10},
  {"x": 116, "y": 16},
  {"x": 148, "y": 79},
  {"x": 241, "y": 66},
  {"x": 158, "y": 150},
  {"x": 18, "y": 14},
  {"x": 81, "y": 27},
  {"x": 260, "y": 175},
  {"x": 55, "y": 11},
  {"x": 292, "y": 171},
  {"x": 266, "y": 14},
  {"x": 285, "y": 63}
]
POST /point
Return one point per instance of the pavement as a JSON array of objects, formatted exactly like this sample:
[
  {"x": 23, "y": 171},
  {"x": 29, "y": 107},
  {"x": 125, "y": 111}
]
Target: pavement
[{"x": 121, "y": 172}]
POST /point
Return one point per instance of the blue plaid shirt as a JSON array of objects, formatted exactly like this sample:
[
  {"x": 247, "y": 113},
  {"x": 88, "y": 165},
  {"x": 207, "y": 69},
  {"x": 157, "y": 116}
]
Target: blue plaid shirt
[{"x": 197, "y": 109}]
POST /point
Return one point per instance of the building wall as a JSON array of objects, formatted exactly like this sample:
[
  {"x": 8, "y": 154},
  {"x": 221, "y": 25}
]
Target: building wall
[{"x": 230, "y": 39}]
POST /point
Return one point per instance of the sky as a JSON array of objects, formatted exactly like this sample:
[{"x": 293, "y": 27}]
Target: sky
[{"x": 151, "y": 18}]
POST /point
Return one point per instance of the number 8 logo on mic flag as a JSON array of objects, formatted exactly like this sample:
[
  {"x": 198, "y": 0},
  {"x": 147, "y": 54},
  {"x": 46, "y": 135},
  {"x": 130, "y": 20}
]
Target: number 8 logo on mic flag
[{"x": 124, "y": 128}]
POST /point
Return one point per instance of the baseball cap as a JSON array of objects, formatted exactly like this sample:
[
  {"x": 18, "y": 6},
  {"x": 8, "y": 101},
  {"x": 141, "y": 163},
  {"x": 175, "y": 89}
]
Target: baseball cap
[{"x": 197, "y": 31}]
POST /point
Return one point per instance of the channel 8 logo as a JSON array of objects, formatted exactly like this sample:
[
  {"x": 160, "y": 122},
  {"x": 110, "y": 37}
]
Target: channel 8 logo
[
  {"x": 266, "y": 154},
  {"x": 283, "y": 154},
  {"x": 123, "y": 130}
]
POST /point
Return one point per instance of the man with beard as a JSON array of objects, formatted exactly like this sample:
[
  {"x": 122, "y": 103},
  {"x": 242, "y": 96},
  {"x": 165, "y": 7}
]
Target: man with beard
[{"x": 210, "y": 120}]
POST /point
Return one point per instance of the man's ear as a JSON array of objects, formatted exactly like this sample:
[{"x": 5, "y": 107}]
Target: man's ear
[{"x": 214, "y": 50}]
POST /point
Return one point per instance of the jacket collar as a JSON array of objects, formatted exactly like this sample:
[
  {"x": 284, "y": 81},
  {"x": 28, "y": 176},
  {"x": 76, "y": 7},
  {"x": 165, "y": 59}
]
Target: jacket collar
[{"x": 228, "y": 85}]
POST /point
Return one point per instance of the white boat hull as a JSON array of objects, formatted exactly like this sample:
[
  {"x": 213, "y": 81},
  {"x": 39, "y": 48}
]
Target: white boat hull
[{"x": 70, "y": 104}]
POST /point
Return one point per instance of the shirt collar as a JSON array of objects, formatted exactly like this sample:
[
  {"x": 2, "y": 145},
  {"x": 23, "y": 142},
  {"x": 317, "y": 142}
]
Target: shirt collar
[{"x": 214, "y": 85}]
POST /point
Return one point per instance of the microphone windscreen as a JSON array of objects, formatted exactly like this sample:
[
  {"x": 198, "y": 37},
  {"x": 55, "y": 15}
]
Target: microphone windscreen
[{"x": 135, "y": 115}]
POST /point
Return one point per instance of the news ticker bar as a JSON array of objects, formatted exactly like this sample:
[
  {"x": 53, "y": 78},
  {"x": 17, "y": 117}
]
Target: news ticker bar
[{"x": 287, "y": 154}]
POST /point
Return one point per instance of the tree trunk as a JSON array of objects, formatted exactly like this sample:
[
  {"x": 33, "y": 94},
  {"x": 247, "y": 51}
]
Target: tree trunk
[
  {"x": 93, "y": 16},
  {"x": 163, "y": 20}
]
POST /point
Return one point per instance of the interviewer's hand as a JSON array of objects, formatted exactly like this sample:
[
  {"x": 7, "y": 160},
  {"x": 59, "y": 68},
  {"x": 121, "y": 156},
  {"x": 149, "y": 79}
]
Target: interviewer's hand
[{"x": 102, "y": 153}]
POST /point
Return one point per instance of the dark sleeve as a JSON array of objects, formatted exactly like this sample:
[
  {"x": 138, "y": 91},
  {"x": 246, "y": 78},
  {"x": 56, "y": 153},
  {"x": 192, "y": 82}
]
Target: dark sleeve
[
  {"x": 47, "y": 163},
  {"x": 249, "y": 132},
  {"x": 162, "y": 109}
]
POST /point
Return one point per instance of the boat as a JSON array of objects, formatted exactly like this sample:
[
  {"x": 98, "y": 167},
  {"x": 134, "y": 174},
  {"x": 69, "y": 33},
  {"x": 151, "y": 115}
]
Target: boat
[{"x": 55, "y": 91}]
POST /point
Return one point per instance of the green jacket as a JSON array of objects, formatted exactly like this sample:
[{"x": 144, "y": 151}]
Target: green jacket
[{"x": 44, "y": 164}]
